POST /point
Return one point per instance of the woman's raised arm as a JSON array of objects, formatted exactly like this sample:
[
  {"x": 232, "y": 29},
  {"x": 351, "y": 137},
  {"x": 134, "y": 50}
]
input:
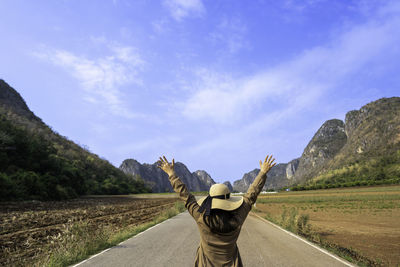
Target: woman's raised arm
[
  {"x": 179, "y": 187},
  {"x": 255, "y": 188}
]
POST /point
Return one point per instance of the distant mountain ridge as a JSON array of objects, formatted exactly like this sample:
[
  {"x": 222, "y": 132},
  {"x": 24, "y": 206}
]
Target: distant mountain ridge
[
  {"x": 368, "y": 134},
  {"x": 158, "y": 180},
  {"x": 279, "y": 176},
  {"x": 243, "y": 184}
]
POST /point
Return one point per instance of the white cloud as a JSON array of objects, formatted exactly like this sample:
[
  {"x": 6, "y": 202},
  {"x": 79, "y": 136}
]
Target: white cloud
[
  {"x": 231, "y": 32},
  {"x": 180, "y": 9},
  {"x": 300, "y": 6},
  {"x": 238, "y": 116},
  {"x": 149, "y": 148},
  {"x": 160, "y": 26},
  {"x": 223, "y": 98},
  {"x": 102, "y": 77}
]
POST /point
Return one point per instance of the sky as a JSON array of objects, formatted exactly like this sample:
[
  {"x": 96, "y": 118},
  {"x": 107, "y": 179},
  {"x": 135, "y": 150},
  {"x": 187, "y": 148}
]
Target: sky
[{"x": 214, "y": 84}]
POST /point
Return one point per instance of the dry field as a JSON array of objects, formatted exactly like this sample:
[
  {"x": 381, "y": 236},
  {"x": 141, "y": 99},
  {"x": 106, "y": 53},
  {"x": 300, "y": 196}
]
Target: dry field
[
  {"x": 29, "y": 230},
  {"x": 361, "y": 223}
]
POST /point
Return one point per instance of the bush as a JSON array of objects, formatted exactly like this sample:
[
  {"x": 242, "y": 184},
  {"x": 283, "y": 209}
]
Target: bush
[
  {"x": 303, "y": 227},
  {"x": 6, "y": 187}
]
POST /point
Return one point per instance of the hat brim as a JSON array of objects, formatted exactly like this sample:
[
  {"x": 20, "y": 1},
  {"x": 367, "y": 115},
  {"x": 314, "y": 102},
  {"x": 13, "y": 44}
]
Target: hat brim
[{"x": 231, "y": 203}]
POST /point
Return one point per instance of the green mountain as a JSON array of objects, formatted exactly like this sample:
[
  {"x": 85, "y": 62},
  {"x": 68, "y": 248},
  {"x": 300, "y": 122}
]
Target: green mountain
[
  {"x": 38, "y": 163},
  {"x": 363, "y": 150}
]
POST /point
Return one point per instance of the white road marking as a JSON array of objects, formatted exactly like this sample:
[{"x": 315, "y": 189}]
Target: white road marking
[
  {"x": 122, "y": 242},
  {"x": 299, "y": 238},
  {"x": 91, "y": 257},
  {"x": 307, "y": 242}
]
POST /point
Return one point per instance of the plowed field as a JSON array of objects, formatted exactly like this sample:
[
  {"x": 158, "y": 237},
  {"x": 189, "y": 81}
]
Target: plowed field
[
  {"x": 363, "y": 220},
  {"x": 27, "y": 227}
]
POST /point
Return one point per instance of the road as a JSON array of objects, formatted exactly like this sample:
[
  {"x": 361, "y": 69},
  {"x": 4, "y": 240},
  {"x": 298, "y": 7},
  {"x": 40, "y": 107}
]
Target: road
[{"x": 174, "y": 243}]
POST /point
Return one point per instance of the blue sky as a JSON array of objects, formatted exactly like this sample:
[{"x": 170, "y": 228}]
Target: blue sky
[{"x": 217, "y": 85}]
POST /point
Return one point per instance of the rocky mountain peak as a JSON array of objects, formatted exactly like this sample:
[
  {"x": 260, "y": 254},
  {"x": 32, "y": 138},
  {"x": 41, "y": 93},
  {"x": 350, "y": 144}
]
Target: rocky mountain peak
[
  {"x": 279, "y": 176},
  {"x": 372, "y": 131},
  {"x": 11, "y": 100},
  {"x": 243, "y": 184},
  {"x": 291, "y": 168},
  {"x": 205, "y": 178},
  {"x": 131, "y": 166},
  {"x": 328, "y": 140},
  {"x": 229, "y": 185},
  {"x": 330, "y": 129},
  {"x": 352, "y": 121},
  {"x": 155, "y": 178},
  {"x": 375, "y": 109},
  {"x": 325, "y": 144}
]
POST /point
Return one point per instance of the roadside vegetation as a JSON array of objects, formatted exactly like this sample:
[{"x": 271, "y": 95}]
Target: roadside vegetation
[
  {"x": 80, "y": 240},
  {"x": 359, "y": 224}
]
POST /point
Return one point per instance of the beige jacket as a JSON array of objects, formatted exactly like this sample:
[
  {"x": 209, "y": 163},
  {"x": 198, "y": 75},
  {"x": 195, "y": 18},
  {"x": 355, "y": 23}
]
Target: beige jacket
[{"x": 218, "y": 249}]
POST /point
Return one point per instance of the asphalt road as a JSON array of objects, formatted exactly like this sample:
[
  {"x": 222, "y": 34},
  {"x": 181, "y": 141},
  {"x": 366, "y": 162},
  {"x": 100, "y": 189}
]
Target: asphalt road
[{"x": 174, "y": 243}]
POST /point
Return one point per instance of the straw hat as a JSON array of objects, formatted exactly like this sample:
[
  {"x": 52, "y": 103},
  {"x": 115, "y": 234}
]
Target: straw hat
[{"x": 221, "y": 198}]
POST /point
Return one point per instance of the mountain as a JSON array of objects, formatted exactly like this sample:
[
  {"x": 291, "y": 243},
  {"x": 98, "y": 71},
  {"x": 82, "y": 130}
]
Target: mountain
[
  {"x": 363, "y": 150},
  {"x": 205, "y": 180},
  {"x": 13, "y": 105},
  {"x": 373, "y": 131},
  {"x": 371, "y": 153},
  {"x": 279, "y": 176},
  {"x": 323, "y": 147},
  {"x": 229, "y": 185},
  {"x": 38, "y": 163},
  {"x": 157, "y": 179},
  {"x": 243, "y": 184}
]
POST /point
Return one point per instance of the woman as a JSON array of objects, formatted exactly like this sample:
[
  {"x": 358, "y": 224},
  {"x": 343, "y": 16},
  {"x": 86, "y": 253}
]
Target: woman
[{"x": 219, "y": 216}]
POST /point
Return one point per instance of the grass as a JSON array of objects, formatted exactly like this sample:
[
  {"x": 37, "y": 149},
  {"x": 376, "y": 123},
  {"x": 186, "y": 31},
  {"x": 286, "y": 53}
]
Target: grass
[
  {"x": 358, "y": 224},
  {"x": 291, "y": 220},
  {"x": 80, "y": 240},
  {"x": 294, "y": 222},
  {"x": 335, "y": 199},
  {"x": 358, "y": 189}
]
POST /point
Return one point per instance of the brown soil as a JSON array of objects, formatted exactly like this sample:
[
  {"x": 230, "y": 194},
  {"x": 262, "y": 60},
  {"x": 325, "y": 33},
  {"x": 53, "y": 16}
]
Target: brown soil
[
  {"x": 376, "y": 236},
  {"x": 373, "y": 232},
  {"x": 28, "y": 226}
]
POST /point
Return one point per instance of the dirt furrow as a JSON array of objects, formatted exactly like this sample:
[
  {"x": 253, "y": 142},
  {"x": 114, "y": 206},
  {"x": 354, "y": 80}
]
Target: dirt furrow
[
  {"x": 25, "y": 234},
  {"x": 79, "y": 217}
]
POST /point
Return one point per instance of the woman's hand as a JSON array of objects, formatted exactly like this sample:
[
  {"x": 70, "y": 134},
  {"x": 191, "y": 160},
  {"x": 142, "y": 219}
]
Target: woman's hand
[
  {"x": 267, "y": 165},
  {"x": 167, "y": 167}
]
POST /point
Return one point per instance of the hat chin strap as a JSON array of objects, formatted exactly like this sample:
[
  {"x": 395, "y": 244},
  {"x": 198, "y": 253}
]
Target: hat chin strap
[{"x": 207, "y": 203}]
